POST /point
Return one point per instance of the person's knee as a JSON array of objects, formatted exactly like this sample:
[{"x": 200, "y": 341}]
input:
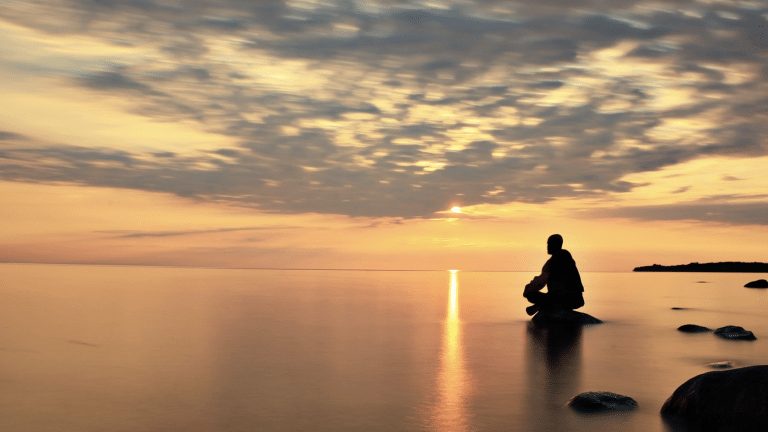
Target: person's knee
[{"x": 537, "y": 297}]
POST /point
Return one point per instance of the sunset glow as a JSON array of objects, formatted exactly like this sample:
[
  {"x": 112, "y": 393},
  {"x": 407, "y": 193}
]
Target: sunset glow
[
  {"x": 323, "y": 134},
  {"x": 449, "y": 410}
]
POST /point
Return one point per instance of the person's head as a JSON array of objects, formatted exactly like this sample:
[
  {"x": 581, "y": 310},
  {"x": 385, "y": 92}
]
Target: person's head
[{"x": 554, "y": 243}]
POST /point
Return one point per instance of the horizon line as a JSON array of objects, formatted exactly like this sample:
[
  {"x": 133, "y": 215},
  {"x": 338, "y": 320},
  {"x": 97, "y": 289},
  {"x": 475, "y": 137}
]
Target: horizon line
[{"x": 364, "y": 269}]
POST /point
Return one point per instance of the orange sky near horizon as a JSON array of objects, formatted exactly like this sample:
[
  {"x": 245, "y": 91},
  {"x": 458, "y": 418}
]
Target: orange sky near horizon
[
  {"x": 75, "y": 224},
  {"x": 309, "y": 134}
]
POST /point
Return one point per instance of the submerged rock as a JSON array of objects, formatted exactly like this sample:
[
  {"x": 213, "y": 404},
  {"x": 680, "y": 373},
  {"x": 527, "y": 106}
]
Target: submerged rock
[
  {"x": 760, "y": 283},
  {"x": 693, "y": 328},
  {"x": 564, "y": 317},
  {"x": 721, "y": 365},
  {"x": 732, "y": 400},
  {"x": 735, "y": 332},
  {"x": 601, "y": 401}
]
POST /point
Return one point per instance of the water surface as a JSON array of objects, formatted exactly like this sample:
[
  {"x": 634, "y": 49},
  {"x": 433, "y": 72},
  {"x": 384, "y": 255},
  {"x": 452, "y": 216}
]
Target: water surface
[{"x": 94, "y": 348}]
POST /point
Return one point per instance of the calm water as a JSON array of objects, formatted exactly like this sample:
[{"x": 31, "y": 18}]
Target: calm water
[{"x": 163, "y": 349}]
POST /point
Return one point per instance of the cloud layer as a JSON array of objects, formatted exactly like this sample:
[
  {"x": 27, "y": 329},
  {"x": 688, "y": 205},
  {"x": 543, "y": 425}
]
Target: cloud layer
[{"x": 402, "y": 108}]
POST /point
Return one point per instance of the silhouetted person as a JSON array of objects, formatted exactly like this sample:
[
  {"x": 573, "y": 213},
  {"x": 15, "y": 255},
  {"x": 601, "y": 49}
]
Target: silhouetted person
[{"x": 560, "y": 276}]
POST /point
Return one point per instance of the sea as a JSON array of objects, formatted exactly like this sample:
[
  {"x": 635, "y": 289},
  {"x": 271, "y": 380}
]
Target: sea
[{"x": 144, "y": 349}]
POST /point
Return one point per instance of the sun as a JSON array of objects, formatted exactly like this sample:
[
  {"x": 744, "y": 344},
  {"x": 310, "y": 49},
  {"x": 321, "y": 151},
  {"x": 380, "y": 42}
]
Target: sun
[{"x": 456, "y": 209}]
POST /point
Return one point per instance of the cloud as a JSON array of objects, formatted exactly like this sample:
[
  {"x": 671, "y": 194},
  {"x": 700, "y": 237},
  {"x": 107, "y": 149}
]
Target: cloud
[
  {"x": 183, "y": 233},
  {"x": 746, "y": 213},
  {"x": 363, "y": 109},
  {"x": 10, "y": 136},
  {"x": 113, "y": 80}
]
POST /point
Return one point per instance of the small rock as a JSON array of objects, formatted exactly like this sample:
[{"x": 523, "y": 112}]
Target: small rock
[
  {"x": 760, "y": 283},
  {"x": 735, "y": 332},
  {"x": 721, "y": 365},
  {"x": 733, "y": 400},
  {"x": 564, "y": 317},
  {"x": 601, "y": 401},
  {"x": 679, "y": 308},
  {"x": 693, "y": 328}
]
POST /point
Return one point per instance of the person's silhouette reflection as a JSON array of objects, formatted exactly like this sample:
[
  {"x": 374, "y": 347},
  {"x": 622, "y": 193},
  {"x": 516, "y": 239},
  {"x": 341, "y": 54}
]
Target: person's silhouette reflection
[
  {"x": 553, "y": 364},
  {"x": 562, "y": 279},
  {"x": 560, "y": 343}
]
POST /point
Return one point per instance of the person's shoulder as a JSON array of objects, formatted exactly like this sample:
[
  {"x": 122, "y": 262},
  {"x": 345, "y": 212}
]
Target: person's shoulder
[{"x": 564, "y": 256}]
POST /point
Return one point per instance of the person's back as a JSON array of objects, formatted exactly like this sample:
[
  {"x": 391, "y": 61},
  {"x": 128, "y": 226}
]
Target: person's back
[{"x": 564, "y": 279}]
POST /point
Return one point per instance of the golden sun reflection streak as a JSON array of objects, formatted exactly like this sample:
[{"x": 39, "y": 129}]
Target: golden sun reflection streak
[{"x": 450, "y": 408}]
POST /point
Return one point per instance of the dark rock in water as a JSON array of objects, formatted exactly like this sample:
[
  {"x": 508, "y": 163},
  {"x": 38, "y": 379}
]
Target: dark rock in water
[
  {"x": 735, "y": 332},
  {"x": 735, "y": 400},
  {"x": 564, "y": 317},
  {"x": 721, "y": 365},
  {"x": 693, "y": 328},
  {"x": 760, "y": 283},
  {"x": 679, "y": 308},
  {"x": 601, "y": 401}
]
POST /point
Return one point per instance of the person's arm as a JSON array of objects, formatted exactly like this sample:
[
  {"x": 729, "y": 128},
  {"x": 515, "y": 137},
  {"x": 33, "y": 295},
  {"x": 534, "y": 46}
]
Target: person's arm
[{"x": 537, "y": 283}]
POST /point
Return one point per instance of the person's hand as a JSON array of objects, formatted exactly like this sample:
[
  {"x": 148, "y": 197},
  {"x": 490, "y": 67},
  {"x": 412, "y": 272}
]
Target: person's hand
[
  {"x": 529, "y": 289},
  {"x": 536, "y": 284}
]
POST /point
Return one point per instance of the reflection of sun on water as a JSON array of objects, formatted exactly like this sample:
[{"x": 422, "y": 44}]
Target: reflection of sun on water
[{"x": 449, "y": 412}]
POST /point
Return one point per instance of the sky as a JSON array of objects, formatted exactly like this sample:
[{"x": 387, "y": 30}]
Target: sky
[{"x": 341, "y": 133}]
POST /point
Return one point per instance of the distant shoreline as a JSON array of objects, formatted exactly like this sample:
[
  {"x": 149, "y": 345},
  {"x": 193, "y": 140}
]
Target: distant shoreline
[{"x": 718, "y": 267}]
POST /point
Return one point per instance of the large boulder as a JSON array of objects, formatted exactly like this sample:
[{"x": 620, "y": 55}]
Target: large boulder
[
  {"x": 760, "y": 283},
  {"x": 601, "y": 401},
  {"x": 734, "y": 332},
  {"x": 725, "y": 401},
  {"x": 564, "y": 317}
]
